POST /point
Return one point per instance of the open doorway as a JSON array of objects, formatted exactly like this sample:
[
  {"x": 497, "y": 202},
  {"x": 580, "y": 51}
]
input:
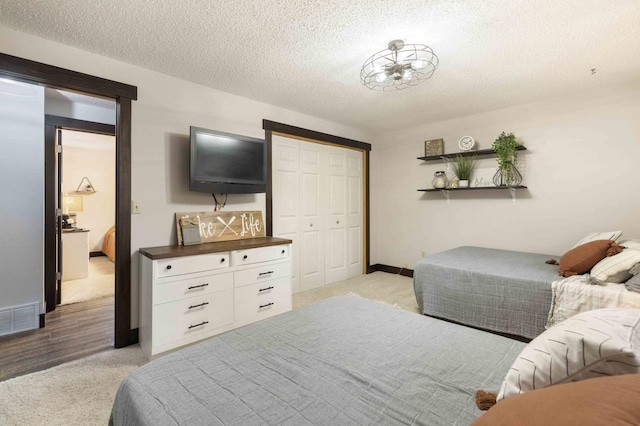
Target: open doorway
[
  {"x": 23, "y": 70},
  {"x": 80, "y": 183},
  {"x": 88, "y": 216}
]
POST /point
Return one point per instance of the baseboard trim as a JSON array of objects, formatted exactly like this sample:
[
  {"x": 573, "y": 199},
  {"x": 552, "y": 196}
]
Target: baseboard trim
[
  {"x": 41, "y": 319},
  {"x": 96, "y": 254},
  {"x": 390, "y": 270}
]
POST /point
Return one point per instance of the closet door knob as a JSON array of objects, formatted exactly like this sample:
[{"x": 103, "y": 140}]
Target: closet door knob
[
  {"x": 245, "y": 257},
  {"x": 311, "y": 225},
  {"x": 168, "y": 266},
  {"x": 222, "y": 260},
  {"x": 337, "y": 222}
]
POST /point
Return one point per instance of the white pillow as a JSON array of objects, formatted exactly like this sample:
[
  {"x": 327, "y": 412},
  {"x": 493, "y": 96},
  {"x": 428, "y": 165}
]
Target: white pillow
[
  {"x": 632, "y": 244},
  {"x": 603, "y": 342},
  {"x": 615, "y": 269},
  {"x": 609, "y": 235}
]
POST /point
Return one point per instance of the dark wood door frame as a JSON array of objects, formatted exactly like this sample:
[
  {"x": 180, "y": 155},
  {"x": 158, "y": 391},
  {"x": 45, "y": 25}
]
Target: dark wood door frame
[
  {"x": 271, "y": 126},
  {"x": 59, "y": 78},
  {"x": 52, "y": 123}
]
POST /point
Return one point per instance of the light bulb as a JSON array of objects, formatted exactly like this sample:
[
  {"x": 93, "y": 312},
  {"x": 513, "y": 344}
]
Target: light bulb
[
  {"x": 381, "y": 77},
  {"x": 419, "y": 64}
]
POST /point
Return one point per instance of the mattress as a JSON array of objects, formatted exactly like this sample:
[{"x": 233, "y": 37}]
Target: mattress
[
  {"x": 341, "y": 361},
  {"x": 499, "y": 290}
]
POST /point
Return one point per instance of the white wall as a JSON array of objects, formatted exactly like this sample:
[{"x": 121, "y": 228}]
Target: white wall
[
  {"x": 161, "y": 117},
  {"x": 22, "y": 195},
  {"x": 580, "y": 167},
  {"x": 92, "y": 156}
]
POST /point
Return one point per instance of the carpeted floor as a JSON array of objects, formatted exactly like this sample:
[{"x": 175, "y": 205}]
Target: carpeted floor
[
  {"x": 81, "y": 392},
  {"x": 99, "y": 283}
]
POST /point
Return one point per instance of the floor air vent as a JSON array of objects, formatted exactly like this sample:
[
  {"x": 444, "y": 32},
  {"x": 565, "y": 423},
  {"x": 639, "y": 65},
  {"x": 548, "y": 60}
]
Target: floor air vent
[{"x": 18, "y": 318}]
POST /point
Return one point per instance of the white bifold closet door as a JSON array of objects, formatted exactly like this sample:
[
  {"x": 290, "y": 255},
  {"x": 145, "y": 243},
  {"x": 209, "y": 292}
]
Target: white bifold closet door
[{"x": 317, "y": 203}]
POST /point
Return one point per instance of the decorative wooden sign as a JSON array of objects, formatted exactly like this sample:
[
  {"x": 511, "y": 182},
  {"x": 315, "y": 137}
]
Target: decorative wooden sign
[
  {"x": 221, "y": 226},
  {"x": 433, "y": 147}
]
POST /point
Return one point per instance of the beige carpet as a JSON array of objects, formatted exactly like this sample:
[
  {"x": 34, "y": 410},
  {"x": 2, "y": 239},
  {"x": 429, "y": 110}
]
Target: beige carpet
[
  {"x": 99, "y": 283},
  {"x": 81, "y": 392}
]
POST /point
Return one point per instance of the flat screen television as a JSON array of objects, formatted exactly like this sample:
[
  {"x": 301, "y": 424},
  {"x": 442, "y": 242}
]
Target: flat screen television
[{"x": 226, "y": 163}]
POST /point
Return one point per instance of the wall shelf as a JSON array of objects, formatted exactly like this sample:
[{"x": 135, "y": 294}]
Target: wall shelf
[
  {"x": 479, "y": 152},
  {"x": 447, "y": 192},
  {"x": 472, "y": 188}
]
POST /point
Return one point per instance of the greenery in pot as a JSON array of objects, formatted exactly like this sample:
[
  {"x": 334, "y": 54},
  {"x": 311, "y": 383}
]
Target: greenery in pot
[
  {"x": 464, "y": 166},
  {"x": 505, "y": 147}
]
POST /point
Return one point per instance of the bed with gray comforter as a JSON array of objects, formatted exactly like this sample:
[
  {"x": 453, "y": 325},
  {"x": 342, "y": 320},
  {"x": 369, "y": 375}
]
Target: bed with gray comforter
[
  {"x": 499, "y": 290},
  {"x": 342, "y": 361}
]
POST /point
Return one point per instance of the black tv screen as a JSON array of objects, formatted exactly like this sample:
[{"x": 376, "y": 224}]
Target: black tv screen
[{"x": 226, "y": 163}]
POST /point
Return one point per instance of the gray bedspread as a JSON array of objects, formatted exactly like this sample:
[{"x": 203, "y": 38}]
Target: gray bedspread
[
  {"x": 342, "y": 361},
  {"x": 498, "y": 290}
]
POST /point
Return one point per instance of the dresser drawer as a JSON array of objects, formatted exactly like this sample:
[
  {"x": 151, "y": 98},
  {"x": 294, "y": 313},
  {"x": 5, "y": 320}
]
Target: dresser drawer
[
  {"x": 196, "y": 306},
  {"x": 262, "y": 300},
  {"x": 191, "y": 264},
  {"x": 174, "y": 321},
  {"x": 261, "y": 254},
  {"x": 262, "y": 273},
  {"x": 175, "y": 290}
]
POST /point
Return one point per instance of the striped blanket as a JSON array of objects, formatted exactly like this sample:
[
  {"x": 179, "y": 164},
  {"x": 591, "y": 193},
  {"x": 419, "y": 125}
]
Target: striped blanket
[{"x": 573, "y": 295}]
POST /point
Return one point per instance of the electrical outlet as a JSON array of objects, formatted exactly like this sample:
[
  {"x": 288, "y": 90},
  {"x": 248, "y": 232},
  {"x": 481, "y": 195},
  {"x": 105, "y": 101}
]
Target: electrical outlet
[
  {"x": 404, "y": 266},
  {"x": 135, "y": 207},
  {"x": 424, "y": 253}
]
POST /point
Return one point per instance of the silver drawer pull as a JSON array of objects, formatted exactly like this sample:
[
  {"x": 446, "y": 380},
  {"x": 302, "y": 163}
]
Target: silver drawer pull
[
  {"x": 198, "y": 286},
  {"x": 265, "y": 273},
  {"x": 198, "y": 306},
  {"x": 264, "y": 306},
  {"x": 198, "y": 325},
  {"x": 265, "y": 289}
]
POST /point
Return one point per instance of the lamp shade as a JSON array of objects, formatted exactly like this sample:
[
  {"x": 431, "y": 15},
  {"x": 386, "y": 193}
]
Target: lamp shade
[{"x": 72, "y": 203}]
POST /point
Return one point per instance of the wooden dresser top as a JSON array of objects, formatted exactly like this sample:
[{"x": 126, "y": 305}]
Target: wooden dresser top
[{"x": 164, "y": 252}]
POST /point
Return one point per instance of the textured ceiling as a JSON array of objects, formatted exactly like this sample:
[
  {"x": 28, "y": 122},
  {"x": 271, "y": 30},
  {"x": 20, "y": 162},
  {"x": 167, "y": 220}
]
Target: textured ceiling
[{"x": 306, "y": 55}]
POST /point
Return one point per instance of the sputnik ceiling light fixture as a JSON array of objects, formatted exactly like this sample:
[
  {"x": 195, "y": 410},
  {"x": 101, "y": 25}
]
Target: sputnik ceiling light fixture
[{"x": 399, "y": 66}]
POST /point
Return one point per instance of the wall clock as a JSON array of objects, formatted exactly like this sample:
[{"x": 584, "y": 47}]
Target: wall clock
[{"x": 466, "y": 143}]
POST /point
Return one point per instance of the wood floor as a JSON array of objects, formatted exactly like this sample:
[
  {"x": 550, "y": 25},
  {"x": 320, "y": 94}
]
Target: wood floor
[{"x": 71, "y": 332}]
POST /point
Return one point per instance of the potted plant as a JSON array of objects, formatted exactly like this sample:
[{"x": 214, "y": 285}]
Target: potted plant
[
  {"x": 463, "y": 168},
  {"x": 505, "y": 147}
]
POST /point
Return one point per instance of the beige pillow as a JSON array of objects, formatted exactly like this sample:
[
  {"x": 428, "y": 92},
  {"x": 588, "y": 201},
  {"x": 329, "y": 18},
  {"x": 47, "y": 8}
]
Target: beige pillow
[
  {"x": 609, "y": 235},
  {"x": 602, "y": 342},
  {"x": 615, "y": 269}
]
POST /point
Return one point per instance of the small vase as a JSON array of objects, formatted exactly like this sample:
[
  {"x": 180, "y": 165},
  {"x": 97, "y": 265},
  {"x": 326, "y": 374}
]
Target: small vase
[
  {"x": 440, "y": 180},
  {"x": 464, "y": 183},
  {"x": 508, "y": 176}
]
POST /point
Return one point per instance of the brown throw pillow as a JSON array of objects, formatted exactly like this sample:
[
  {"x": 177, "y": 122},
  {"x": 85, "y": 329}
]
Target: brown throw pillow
[
  {"x": 581, "y": 259},
  {"x": 601, "y": 401}
]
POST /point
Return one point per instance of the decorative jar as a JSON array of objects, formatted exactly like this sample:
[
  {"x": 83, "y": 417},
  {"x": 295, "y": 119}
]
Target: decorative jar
[{"x": 440, "y": 180}]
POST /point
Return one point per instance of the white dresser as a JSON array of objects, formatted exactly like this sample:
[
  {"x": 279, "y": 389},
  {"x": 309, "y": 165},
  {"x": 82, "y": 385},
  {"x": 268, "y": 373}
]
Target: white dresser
[{"x": 189, "y": 293}]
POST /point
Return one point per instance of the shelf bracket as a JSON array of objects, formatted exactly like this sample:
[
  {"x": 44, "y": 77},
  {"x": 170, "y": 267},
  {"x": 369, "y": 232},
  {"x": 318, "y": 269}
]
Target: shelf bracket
[
  {"x": 445, "y": 193},
  {"x": 513, "y": 195}
]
